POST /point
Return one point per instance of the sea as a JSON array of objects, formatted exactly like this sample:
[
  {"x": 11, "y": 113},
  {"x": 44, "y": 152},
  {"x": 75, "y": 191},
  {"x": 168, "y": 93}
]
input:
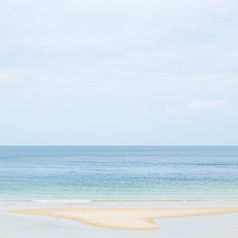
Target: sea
[{"x": 132, "y": 175}]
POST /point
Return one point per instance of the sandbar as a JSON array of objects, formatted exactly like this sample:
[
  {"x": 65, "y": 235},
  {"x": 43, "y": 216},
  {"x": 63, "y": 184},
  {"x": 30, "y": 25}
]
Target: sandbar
[{"x": 124, "y": 218}]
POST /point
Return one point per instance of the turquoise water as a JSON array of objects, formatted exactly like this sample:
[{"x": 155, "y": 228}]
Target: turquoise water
[{"x": 107, "y": 174}]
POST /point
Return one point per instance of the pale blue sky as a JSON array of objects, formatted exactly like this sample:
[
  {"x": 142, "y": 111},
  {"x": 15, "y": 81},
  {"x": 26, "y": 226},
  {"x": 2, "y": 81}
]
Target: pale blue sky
[{"x": 145, "y": 72}]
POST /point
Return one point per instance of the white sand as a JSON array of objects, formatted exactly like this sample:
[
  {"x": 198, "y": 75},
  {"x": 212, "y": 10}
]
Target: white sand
[{"x": 124, "y": 218}]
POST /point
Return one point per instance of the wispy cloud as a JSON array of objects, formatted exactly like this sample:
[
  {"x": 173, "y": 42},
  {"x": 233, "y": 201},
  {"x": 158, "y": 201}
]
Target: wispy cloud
[
  {"x": 196, "y": 106},
  {"x": 111, "y": 77},
  {"x": 233, "y": 113}
]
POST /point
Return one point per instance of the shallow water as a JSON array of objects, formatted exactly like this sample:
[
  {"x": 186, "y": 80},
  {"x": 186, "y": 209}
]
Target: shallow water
[
  {"x": 83, "y": 175},
  {"x": 25, "y": 226},
  {"x": 118, "y": 177}
]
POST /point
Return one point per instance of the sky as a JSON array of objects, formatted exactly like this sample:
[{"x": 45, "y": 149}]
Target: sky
[{"x": 119, "y": 72}]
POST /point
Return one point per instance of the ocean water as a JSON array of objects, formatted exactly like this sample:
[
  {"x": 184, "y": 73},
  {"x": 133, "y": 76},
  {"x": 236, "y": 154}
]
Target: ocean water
[{"x": 117, "y": 174}]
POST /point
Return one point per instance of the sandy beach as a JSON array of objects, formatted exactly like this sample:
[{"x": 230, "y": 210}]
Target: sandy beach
[{"x": 124, "y": 218}]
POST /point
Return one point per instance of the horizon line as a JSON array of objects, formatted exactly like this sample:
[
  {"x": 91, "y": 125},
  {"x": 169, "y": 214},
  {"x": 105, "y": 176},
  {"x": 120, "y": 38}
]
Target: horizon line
[{"x": 115, "y": 145}]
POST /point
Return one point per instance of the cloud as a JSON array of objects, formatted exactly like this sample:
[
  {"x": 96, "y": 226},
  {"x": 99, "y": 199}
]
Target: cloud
[
  {"x": 116, "y": 65},
  {"x": 233, "y": 113},
  {"x": 99, "y": 24},
  {"x": 196, "y": 106}
]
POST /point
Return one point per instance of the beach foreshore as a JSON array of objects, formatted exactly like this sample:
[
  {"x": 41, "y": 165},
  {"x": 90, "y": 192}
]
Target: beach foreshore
[{"x": 124, "y": 218}]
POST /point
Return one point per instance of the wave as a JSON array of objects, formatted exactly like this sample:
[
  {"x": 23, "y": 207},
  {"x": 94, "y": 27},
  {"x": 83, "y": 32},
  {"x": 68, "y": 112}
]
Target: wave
[{"x": 106, "y": 201}]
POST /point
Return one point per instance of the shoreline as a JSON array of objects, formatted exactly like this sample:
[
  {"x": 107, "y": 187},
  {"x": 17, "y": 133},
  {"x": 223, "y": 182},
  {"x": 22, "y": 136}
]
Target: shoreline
[{"x": 124, "y": 218}]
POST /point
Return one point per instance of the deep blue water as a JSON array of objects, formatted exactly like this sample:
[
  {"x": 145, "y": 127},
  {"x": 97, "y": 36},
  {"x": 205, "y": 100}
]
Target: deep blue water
[{"x": 118, "y": 173}]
